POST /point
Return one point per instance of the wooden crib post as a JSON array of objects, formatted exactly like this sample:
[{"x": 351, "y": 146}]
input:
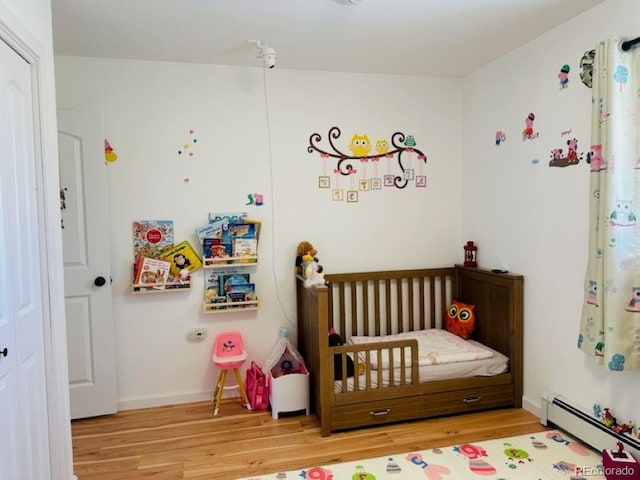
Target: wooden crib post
[{"x": 313, "y": 343}]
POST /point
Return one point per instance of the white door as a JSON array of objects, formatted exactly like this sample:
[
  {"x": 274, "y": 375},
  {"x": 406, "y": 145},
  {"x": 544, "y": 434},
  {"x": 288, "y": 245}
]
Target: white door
[
  {"x": 87, "y": 281},
  {"x": 24, "y": 431}
]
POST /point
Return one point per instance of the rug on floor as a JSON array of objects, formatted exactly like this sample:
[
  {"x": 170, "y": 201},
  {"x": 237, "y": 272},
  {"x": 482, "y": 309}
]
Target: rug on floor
[{"x": 547, "y": 455}]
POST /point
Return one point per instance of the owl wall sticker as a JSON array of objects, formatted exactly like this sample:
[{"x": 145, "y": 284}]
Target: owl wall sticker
[
  {"x": 622, "y": 216},
  {"x": 634, "y": 303},
  {"x": 360, "y": 145},
  {"x": 592, "y": 293},
  {"x": 382, "y": 146},
  {"x": 410, "y": 141},
  {"x": 389, "y": 162}
]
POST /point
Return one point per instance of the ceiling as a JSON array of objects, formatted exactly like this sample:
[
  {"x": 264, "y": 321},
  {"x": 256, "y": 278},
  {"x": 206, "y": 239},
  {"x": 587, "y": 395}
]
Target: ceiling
[{"x": 449, "y": 38}]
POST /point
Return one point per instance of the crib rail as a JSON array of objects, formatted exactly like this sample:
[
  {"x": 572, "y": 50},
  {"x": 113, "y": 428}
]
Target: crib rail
[
  {"x": 400, "y": 372},
  {"x": 389, "y": 302}
]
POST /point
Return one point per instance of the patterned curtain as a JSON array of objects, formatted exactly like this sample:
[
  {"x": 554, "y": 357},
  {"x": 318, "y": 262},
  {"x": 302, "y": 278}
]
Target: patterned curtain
[{"x": 610, "y": 324}]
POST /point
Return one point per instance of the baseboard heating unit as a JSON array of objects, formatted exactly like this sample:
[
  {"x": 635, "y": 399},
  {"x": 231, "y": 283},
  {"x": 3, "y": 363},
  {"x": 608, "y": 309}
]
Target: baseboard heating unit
[{"x": 556, "y": 411}]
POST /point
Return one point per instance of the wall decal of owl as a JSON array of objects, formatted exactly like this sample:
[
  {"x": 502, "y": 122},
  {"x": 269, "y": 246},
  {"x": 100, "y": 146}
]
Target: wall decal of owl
[
  {"x": 360, "y": 145},
  {"x": 634, "y": 303},
  {"x": 623, "y": 216},
  {"x": 398, "y": 148},
  {"x": 410, "y": 141},
  {"x": 382, "y": 146},
  {"x": 592, "y": 293}
]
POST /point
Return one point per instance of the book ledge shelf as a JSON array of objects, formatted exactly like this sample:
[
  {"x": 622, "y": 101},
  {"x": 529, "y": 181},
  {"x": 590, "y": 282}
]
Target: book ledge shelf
[
  {"x": 217, "y": 262},
  {"x": 228, "y": 307},
  {"x": 166, "y": 287}
]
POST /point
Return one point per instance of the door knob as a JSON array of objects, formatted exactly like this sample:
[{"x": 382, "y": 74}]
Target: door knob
[
  {"x": 99, "y": 281},
  {"x": 4, "y": 352}
]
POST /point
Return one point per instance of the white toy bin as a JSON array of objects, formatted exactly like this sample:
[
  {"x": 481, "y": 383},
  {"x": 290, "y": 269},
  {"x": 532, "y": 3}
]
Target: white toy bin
[{"x": 289, "y": 393}]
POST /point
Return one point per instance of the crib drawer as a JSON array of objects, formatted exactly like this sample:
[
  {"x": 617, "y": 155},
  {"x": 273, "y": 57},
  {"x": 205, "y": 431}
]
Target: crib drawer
[{"x": 421, "y": 406}]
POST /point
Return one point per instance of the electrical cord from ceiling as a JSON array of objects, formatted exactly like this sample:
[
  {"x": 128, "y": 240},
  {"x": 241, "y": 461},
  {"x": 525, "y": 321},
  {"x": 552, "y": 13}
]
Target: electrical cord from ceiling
[{"x": 271, "y": 186}]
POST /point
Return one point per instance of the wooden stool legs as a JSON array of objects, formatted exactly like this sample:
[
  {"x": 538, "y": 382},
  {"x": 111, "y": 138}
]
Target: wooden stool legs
[
  {"x": 217, "y": 393},
  {"x": 243, "y": 392}
]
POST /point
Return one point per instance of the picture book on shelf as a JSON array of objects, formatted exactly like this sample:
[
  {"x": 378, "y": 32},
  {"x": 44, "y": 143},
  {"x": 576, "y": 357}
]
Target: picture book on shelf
[
  {"x": 241, "y": 287},
  {"x": 214, "y": 248},
  {"x": 212, "y": 285},
  {"x": 240, "y": 297},
  {"x": 257, "y": 225},
  {"x": 238, "y": 230},
  {"x": 213, "y": 230},
  {"x": 182, "y": 257},
  {"x": 213, "y": 281},
  {"x": 152, "y": 271},
  {"x": 245, "y": 247},
  {"x": 230, "y": 217},
  {"x": 241, "y": 292},
  {"x": 151, "y": 237},
  {"x": 227, "y": 280}
]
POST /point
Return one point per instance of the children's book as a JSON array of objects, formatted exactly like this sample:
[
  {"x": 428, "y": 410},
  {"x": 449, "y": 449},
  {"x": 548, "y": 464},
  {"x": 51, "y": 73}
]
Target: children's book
[
  {"x": 245, "y": 247},
  {"x": 212, "y": 287},
  {"x": 182, "y": 257},
  {"x": 237, "y": 230},
  {"x": 257, "y": 225},
  {"x": 240, "y": 297},
  {"x": 152, "y": 271},
  {"x": 206, "y": 231},
  {"x": 216, "y": 229},
  {"x": 241, "y": 292},
  {"x": 213, "y": 281},
  {"x": 230, "y": 217},
  {"x": 151, "y": 237},
  {"x": 213, "y": 248},
  {"x": 241, "y": 287},
  {"x": 229, "y": 279}
]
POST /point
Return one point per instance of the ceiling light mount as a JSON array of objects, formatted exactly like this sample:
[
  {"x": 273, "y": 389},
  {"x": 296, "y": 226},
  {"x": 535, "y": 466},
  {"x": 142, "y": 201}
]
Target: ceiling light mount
[
  {"x": 349, "y": 2},
  {"x": 267, "y": 53}
]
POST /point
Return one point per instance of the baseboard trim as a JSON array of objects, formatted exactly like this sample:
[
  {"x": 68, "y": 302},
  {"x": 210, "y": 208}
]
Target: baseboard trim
[
  {"x": 147, "y": 401},
  {"x": 531, "y": 406}
]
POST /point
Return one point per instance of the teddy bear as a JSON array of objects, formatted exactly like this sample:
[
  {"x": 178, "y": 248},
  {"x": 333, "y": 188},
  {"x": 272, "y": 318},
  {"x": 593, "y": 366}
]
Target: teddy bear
[
  {"x": 307, "y": 265},
  {"x": 306, "y": 252}
]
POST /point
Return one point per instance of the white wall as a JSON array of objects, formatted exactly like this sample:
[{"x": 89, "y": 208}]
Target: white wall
[
  {"x": 533, "y": 219},
  {"x": 244, "y": 147}
]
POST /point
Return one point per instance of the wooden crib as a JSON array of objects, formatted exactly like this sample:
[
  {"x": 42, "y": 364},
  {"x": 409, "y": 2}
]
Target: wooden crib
[{"x": 390, "y": 302}]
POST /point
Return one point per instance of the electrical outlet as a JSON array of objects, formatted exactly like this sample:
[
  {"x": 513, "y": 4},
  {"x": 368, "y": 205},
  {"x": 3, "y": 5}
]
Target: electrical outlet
[{"x": 197, "y": 334}]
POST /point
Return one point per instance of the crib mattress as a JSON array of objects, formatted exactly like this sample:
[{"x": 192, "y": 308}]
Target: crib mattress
[{"x": 494, "y": 365}]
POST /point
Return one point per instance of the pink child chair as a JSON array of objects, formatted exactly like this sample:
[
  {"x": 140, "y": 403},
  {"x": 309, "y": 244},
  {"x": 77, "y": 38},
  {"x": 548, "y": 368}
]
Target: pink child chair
[{"x": 228, "y": 353}]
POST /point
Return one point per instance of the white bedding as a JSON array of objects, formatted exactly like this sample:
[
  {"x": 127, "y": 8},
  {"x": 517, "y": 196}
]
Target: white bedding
[
  {"x": 435, "y": 347},
  {"x": 496, "y": 364}
]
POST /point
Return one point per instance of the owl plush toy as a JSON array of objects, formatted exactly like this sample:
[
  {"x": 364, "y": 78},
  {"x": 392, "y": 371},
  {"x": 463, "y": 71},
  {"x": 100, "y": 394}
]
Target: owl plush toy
[{"x": 461, "y": 319}]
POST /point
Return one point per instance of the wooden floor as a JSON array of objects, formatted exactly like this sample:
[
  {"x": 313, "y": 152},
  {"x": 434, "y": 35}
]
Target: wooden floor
[{"x": 187, "y": 442}]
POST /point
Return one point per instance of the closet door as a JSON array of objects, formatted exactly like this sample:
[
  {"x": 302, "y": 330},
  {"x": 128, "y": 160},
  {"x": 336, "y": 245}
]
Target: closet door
[{"x": 24, "y": 431}]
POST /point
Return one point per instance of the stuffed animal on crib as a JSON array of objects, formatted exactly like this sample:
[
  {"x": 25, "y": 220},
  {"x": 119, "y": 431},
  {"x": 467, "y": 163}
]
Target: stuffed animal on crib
[
  {"x": 335, "y": 340},
  {"x": 311, "y": 272},
  {"x": 307, "y": 265},
  {"x": 306, "y": 250}
]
